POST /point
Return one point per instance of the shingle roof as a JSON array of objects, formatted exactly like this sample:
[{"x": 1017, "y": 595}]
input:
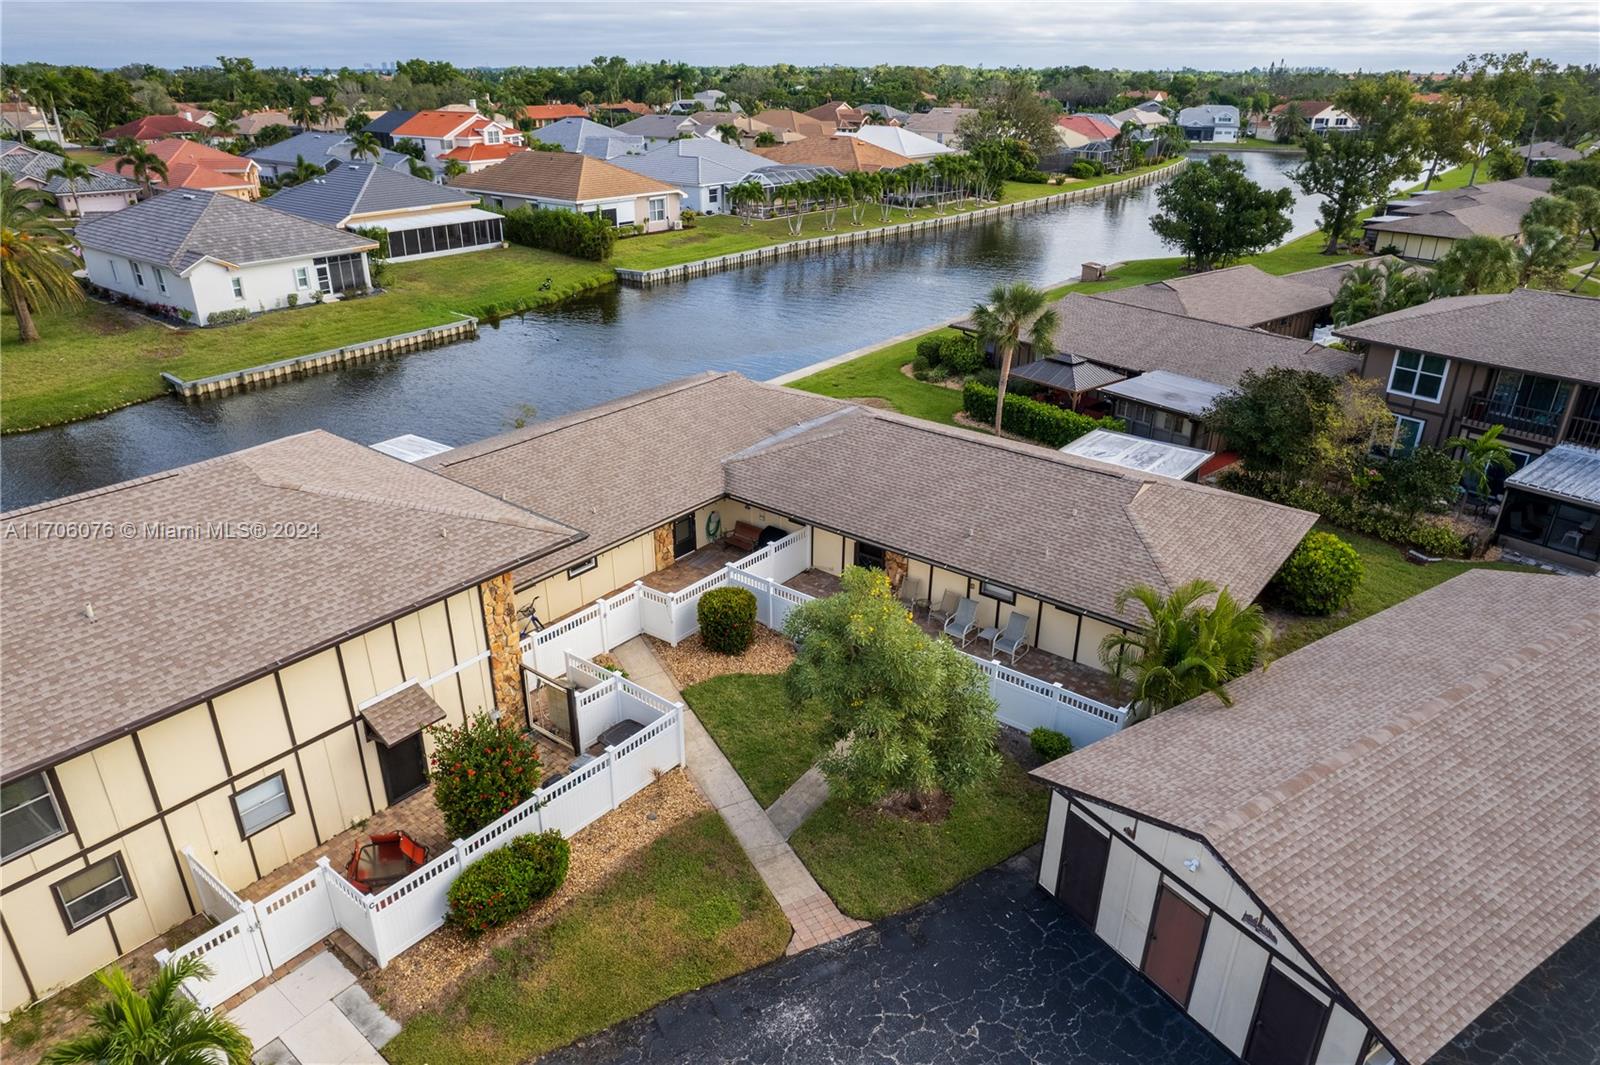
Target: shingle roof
[
  {"x": 589, "y": 138},
  {"x": 1414, "y": 798},
  {"x": 1549, "y": 150},
  {"x": 176, "y": 618},
  {"x": 1094, "y": 127},
  {"x": 1542, "y": 332},
  {"x": 794, "y": 122},
  {"x": 845, "y": 153},
  {"x": 1237, "y": 295},
  {"x": 180, "y": 229},
  {"x": 696, "y": 162},
  {"x": 152, "y": 127},
  {"x": 23, "y": 162},
  {"x": 1208, "y": 115},
  {"x": 1493, "y": 210},
  {"x": 389, "y": 121},
  {"x": 360, "y": 188},
  {"x": 323, "y": 149},
  {"x": 660, "y": 127},
  {"x": 939, "y": 120},
  {"x": 1069, "y": 373},
  {"x": 561, "y": 176},
  {"x": 836, "y": 112},
  {"x": 402, "y": 714}
]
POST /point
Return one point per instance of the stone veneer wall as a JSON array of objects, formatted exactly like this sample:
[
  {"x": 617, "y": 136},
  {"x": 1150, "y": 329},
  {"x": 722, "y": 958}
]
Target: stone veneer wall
[
  {"x": 664, "y": 547},
  {"x": 894, "y": 567},
  {"x": 505, "y": 653}
]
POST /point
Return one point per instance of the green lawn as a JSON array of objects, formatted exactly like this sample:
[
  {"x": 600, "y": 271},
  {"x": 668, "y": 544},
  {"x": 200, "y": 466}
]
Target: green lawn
[
  {"x": 750, "y": 719},
  {"x": 874, "y": 864},
  {"x": 97, "y": 358},
  {"x": 877, "y": 375},
  {"x": 715, "y": 235},
  {"x": 687, "y": 912}
]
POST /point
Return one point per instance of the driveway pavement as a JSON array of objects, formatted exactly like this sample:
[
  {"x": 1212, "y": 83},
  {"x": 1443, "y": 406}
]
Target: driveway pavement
[{"x": 994, "y": 971}]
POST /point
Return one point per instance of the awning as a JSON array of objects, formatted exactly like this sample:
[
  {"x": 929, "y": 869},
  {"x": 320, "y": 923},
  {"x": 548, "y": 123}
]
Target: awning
[
  {"x": 427, "y": 220},
  {"x": 401, "y": 715},
  {"x": 1169, "y": 391}
]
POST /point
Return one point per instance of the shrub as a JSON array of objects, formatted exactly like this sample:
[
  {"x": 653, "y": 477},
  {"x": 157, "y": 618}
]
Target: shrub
[
  {"x": 1350, "y": 513},
  {"x": 1042, "y": 422},
  {"x": 237, "y": 314},
  {"x": 688, "y": 217},
  {"x": 923, "y": 370},
  {"x": 568, "y": 232},
  {"x": 1320, "y": 576},
  {"x": 960, "y": 354},
  {"x": 293, "y": 298},
  {"x": 727, "y": 619},
  {"x": 928, "y": 349},
  {"x": 1082, "y": 169},
  {"x": 481, "y": 770},
  {"x": 1050, "y": 744},
  {"x": 502, "y": 884},
  {"x": 1034, "y": 177},
  {"x": 547, "y": 855}
]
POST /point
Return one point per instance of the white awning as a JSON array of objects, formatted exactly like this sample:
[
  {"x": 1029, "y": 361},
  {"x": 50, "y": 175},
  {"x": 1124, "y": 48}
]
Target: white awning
[{"x": 436, "y": 218}]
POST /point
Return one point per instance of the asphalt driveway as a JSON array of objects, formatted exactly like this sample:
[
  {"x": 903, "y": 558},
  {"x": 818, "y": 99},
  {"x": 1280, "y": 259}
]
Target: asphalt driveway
[{"x": 994, "y": 971}]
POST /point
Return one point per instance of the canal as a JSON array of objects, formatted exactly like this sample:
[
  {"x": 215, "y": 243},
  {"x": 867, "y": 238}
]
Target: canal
[{"x": 761, "y": 321}]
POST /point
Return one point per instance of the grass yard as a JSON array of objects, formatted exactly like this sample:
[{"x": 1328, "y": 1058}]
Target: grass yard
[
  {"x": 687, "y": 912},
  {"x": 876, "y": 375},
  {"x": 750, "y": 719},
  {"x": 874, "y": 864},
  {"x": 97, "y": 358}
]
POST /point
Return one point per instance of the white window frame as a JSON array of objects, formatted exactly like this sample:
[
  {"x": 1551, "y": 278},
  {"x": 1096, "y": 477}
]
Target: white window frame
[
  {"x": 238, "y": 288},
  {"x": 161, "y": 281},
  {"x": 281, "y": 780},
  {"x": 1400, "y": 420},
  {"x": 302, "y": 277},
  {"x": 138, "y": 274},
  {"x": 55, "y": 808},
  {"x": 75, "y": 923},
  {"x": 115, "y": 276},
  {"x": 491, "y": 135},
  {"x": 581, "y": 568},
  {"x": 656, "y": 201},
  {"x": 1422, "y": 357}
]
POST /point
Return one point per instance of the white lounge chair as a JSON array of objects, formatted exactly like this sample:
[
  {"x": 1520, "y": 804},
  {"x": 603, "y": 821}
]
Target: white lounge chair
[
  {"x": 1013, "y": 640},
  {"x": 964, "y": 623}
]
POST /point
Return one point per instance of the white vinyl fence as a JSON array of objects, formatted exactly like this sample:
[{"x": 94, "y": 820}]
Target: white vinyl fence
[{"x": 252, "y": 939}]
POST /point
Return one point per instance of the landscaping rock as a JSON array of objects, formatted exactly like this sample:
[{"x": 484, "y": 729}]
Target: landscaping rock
[{"x": 692, "y": 661}]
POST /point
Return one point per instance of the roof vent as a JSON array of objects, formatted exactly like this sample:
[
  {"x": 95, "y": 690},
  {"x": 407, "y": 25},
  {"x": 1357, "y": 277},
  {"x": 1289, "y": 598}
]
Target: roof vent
[
  {"x": 88, "y": 611},
  {"x": 188, "y": 195}
]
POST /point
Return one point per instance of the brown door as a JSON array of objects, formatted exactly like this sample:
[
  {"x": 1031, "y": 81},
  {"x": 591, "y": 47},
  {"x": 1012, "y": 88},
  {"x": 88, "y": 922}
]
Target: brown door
[
  {"x": 1288, "y": 1023},
  {"x": 1083, "y": 869},
  {"x": 1177, "y": 931},
  {"x": 404, "y": 767}
]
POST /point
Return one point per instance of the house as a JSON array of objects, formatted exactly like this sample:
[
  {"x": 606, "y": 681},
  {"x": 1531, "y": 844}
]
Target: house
[
  {"x": 205, "y": 253},
  {"x": 1552, "y": 509},
  {"x": 1146, "y": 120},
  {"x": 252, "y": 124},
  {"x": 1210, "y": 122},
  {"x": 1424, "y": 227},
  {"x": 884, "y": 114},
  {"x": 705, "y": 100},
  {"x": 100, "y": 193},
  {"x": 838, "y": 114},
  {"x": 1292, "y": 305},
  {"x": 711, "y": 124},
  {"x": 589, "y": 138},
  {"x": 1539, "y": 151},
  {"x": 1458, "y": 366},
  {"x": 940, "y": 124},
  {"x": 423, "y": 220},
  {"x": 327, "y": 150},
  {"x": 784, "y": 121},
  {"x": 580, "y": 183},
  {"x": 846, "y": 154},
  {"x": 18, "y": 117},
  {"x": 1317, "y": 116},
  {"x": 913, "y": 146},
  {"x": 1375, "y": 847},
  {"x": 540, "y": 115},
  {"x": 624, "y": 107},
  {"x": 704, "y": 169},
  {"x": 153, "y": 128},
  {"x": 200, "y": 167},
  {"x": 656, "y": 130},
  {"x": 1075, "y": 131},
  {"x": 384, "y": 125},
  {"x": 476, "y": 157},
  {"x": 441, "y": 132},
  {"x": 1156, "y": 96},
  {"x": 197, "y": 114}
]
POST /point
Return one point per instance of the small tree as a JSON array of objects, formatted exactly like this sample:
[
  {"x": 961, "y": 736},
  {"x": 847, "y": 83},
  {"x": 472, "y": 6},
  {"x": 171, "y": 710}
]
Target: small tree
[
  {"x": 1274, "y": 417},
  {"x": 1214, "y": 214},
  {"x": 1479, "y": 453},
  {"x": 163, "y": 1026},
  {"x": 481, "y": 771},
  {"x": 1479, "y": 264},
  {"x": 916, "y": 711},
  {"x": 1011, "y": 311}
]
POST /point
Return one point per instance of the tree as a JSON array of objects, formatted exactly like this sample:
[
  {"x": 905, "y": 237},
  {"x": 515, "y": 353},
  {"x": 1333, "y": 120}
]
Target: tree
[
  {"x": 1289, "y": 124},
  {"x": 729, "y": 133},
  {"x": 72, "y": 171},
  {"x": 1351, "y": 170},
  {"x": 333, "y": 111},
  {"x": 1215, "y": 214},
  {"x": 1013, "y": 310},
  {"x": 916, "y": 712},
  {"x": 1479, "y": 264},
  {"x": 1184, "y": 649},
  {"x": 1274, "y": 417},
  {"x": 766, "y": 139},
  {"x": 1371, "y": 289},
  {"x": 36, "y": 259},
  {"x": 364, "y": 144},
  {"x": 454, "y": 168},
  {"x": 1542, "y": 255},
  {"x": 356, "y": 123},
  {"x": 482, "y": 770},
  {"x": 1447, "y": 134},
  {"x": 744, "y": 197},
  {"x": 1546, "y": 112},
  {"x": 1010, "y": 109},
  {"x": 160, "y": 1027},
  {"x": 305, "y": 114},
  {"x": 1479, "y": 453},
  {"x": 267, "y": 136},
  {"x": 144, "y": 164},
  {"x": 1585, "y": 202},
  {"x": 407, "y": 146},
  {"x": 420, "y": 169}
]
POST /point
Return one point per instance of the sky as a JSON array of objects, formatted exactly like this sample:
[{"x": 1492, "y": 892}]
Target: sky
[{"x": 1419, "y": 35}]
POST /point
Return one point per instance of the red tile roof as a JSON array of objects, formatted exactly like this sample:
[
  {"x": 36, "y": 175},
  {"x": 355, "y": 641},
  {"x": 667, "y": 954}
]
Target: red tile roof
[
  {"x": 435, "y": 123},
  {"x": 551, "y": 112},
  {"x": 193, "y": 166},
  {"x": 477, "y": 153},
  {"x": 1088, "y": 126},
  {"x": 153, "y": 127}
]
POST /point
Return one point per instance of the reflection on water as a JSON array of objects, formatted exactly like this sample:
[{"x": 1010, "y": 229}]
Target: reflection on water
[{"x": 761, "y": 321}]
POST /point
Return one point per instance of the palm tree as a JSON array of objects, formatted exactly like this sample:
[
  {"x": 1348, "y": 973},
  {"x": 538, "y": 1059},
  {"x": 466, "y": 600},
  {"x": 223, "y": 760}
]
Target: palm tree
[
  {"x": 865, "y": 188},
  {"x": 303, "y": 172},
  {"x": 1542, "y": 255},
  {"x": 36, "y": 260},
  {"x": 224, "y": 127},
  {"x": 145, "y": 164},
  {"x": 304, "y": 114},
  {"x": 1548, "y": 109},
  {"x": 419, "y": 169},
  {"x": 1185, "y": 649},
  {"x": 80, "y": 127},
  {"x": 365, "y": 144},
  {"x": 797, "y": 196},
  {"x": 1479, "y": 453},
  {"x": 1480, "y": 263},
  {"x": 1011, "y": 311},
  {"x": 73, "y": 172},
  {"x": 356, "y": 123},
  {"x": 1289, "y": 123},
  {"x": 333, "y": 110},
  {"x": 744, "y": 195},
  {"x": 890, "y": 184},
  {"x": 454, "y": 168},
  {"x": 161, "y": 1027}
]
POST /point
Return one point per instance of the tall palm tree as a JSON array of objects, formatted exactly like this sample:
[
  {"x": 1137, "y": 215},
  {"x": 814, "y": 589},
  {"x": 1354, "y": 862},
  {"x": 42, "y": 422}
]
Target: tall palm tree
[
  {"x": 36, "y": 260},
  {"x": 890, "y": 184},
  {"x": 1546, "y": 112},
  {"x": 304, "y": 114},
  {"x": 333, "y": 110},
  {"x": 365, "y": 144},
  {"x": 1184, "y": 649},
  {"x": 1012, "y": 311},
  {"x": 1289, "y": 123},
  {"x": 145, "y": 165},
  {"x": 74, "y": 172},
  {"x": 1480, "y": 263},
  {"x": 454, "y": 168},
  {"x": 160, "y": 1027}
]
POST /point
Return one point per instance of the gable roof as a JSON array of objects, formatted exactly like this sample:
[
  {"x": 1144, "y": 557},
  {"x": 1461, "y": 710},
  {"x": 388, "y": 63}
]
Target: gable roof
[
  {"x": 1388, "y": 796},
  {"x": 179, "y": 230},
  {"x": 900, "y": 141},
  {"x": 23, "y": 162},
  {"x": 478, "y": 153},
  {"x": 1208, "y": 115},
  {"x": 940, "y": 120},
  {"x": 153, "y": 127},
  {"x": 435, "y": 124},
  {"x": 561, "y": 176},
  {"x": 1237, "y": 295},
  {"x": 1541, "y": 332},
  {"x": 171, "y": 623},
  {"x": 588, "y": 138},
  {"x": 553, "y": 112},
  {"x": 389, "y": 121},
  {"x": 1094, "y": 127},
  {"x": 192, "y": 165},
  {"x": 660, "y": 127},
  {"x": 322, "y": 149},
  {"x": 697, "y": 162},
  {"x": 845, "y": 153},
  {"x": 1549, "y": 150},
  {"x": 795, "y": 122},
  {"x": 1493, "y": 209},
  {"x": 836, "y": 112},
  {"x": 1308, "y": 109},
  {"x": 360, "y": 188}
]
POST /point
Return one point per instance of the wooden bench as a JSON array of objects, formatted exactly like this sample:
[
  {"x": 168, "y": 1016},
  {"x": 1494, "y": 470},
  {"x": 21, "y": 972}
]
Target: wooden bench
[{"x": 744, "y": 536}]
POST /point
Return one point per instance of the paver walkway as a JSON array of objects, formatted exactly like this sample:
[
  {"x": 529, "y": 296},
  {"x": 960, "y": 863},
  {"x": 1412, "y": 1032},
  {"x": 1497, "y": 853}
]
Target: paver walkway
[
  {"x": 809, "y": 909},
  {"x": 316, "y": 1014}
]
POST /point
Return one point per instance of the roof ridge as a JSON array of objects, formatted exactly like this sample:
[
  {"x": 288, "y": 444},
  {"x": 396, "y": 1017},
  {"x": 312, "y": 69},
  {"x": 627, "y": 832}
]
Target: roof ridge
[{"x": 1102, "y": 297}]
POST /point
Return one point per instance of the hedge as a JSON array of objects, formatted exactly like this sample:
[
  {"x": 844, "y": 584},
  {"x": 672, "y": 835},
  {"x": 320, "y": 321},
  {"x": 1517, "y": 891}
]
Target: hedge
[
  {"x": 1049, "y": 744},
  {"x": 1042, "y": 422},
  {"x": 583, "y": 236},
  {"x": 503, "y": 883},
  {"x": 1428, "y": 537},
  {"x": 727, "y": 619}
]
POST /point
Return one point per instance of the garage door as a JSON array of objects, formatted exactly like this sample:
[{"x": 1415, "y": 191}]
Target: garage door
[{"x": 1289, "y": 1021}]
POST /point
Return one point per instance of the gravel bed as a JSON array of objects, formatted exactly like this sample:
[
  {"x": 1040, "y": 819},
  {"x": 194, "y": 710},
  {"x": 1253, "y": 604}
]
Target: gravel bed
[{"x": 692, "y": 662}]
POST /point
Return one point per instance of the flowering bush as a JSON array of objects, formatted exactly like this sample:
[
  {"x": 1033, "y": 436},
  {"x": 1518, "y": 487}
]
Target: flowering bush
[{"x": 481, "y": 771}]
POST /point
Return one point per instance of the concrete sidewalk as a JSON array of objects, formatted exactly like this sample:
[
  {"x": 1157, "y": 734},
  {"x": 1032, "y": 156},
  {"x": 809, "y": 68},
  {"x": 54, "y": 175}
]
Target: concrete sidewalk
[
  {"x": 813, "y": 914},
  {"x": 316, "y": 1013}
]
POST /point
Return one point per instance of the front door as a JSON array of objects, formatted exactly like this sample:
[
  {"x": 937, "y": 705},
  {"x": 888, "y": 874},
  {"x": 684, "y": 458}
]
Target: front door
[
  {"x": 405, "y": 767},
  {"x": 1083, "y": 869},
  {"x": 1288, "y": 1023},
  {"x": 1177, "y": 932},
  {"x": 683, "y": 536}
]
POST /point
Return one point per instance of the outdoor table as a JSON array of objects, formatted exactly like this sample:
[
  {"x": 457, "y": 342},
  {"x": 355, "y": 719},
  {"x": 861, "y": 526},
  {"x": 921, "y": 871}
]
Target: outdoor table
[{"x": 990, "y": 634}]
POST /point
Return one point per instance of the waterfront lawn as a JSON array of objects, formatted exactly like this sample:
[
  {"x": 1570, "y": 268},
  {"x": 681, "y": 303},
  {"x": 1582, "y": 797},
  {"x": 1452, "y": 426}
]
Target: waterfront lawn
[
  {"x": 687, "y": 912},
  {"x": 96, "y": 358},
  {"x": 878, "y": 375},
  {"x": 769, "y": 745}
]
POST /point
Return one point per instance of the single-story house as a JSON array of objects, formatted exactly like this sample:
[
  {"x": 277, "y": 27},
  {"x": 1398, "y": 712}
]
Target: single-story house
[
  {"x": 913, "y": 146},
  {"x": 569, "y": 182},
  {"x": 838, "y": 114},
  {"x": 624, "y": 107},
  {"x": 199, "y": 167},
  {"x": 100, "y": 193},
  {"x": 205, "y": 253},
  {"x": 710, "y": 124},
  {"x": 704, "y": 100},
  {"x": 940, "y": 124},
  {"x": 786, "y": 121},
  {"x": 1317, "y": 116},
  {"x": 1552, "y": 509},
  {"x": 1292, "y": 305},
  {"x": 846, "y": 154},
  {"x": 197, "y": 114},
  {"x": 1145, "y": 118},
  {"x": 1210, "y": 122},
  {"x": 384, "y": 125},
  {"x": 704, "y": 169},
  {"x": 540, "y": 115},
  {"x": 1158, "y": 96},
  {"x": 885, "y": 114},
  {"x": 589, "y": 138},
  {"x": 441, "y": 132},
  {"x": 423, "y": 220},
  {"x": 1165, "y": 406},
  {"x": 327, "y": 150},
  {"x": 1425, "y": 227},
  {"x": 1364, "y": 855},
  {"x": 153, "y": 128},
  {"x": 1075, "y": 131},
  {"x": 656, "y": 130}
]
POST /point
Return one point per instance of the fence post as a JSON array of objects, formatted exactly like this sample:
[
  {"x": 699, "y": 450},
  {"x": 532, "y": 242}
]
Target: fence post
[
  {"x": 682, "y": 757},
  {"x": 611, "y": 774}
]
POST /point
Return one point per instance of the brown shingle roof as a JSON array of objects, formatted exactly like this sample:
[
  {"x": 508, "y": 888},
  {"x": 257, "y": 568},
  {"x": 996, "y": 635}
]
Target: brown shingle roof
[
  {"x": 402, "y": 714},
  {"x": 177, "y": 618},
  {"x": 561, "y": 176},
  {"x": 1414, "y": 798},
  {"x": 1239, "y": 295},
  {"x": 843, "y": 153},
  {"x": 1494, "y": 209},
  {"x": 795, "y": 122}
]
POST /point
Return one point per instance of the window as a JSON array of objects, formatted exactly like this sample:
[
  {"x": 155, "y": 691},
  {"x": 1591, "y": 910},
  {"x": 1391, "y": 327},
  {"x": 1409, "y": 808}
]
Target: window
[
  {"x": 582, "y": 567},
  {"x": 337, "y": 273},
  {"x": 161, "y": 281},
  {"x": 261, "y": 805},
  {"x": 238, "y": 288},
  {"x": 92, "y": 892},
  {"x": 1407, "y": 435},
  {"x": 713, "y": 195},
  {"x": 302, "y": 278},
  {"x": 869, "y": 556},
  {"x": 115, "y": 276},
  {"x": 658, "y": 209},
  {"x": 1556, "y": 526},
  {"x": 29, "y": 815},
  {"x": 138, "y": 274},
  {"x": 491, "y": 135},
  {"x": 1341, "y": 122},
  {"x": 994, "y": 591},
  {"x": 1417, "y": 375}
]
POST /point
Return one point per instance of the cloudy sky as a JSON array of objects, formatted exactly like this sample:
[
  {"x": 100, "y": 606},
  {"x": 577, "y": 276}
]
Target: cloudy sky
[{"x": 1205, "y": 34}]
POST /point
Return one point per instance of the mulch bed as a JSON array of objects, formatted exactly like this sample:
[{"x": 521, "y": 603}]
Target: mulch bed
[{"x": 692, "y": 662}]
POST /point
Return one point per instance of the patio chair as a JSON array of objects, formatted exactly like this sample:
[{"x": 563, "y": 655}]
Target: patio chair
[
  {"x": 964, "y": 623},
  {"x": 947, "y": 607},
  {"x": 1014, "y": 639},
  {"x": 385, "y": 858},
  {"x": 911, "y": 593}
]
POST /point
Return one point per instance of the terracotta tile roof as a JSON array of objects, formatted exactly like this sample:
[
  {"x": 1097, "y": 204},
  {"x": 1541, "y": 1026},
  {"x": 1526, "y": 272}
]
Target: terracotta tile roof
[
  {"x": 153, "y": 127},
  {"x": 434, "y": 123},
  {"x": 551, "y": 112},
  {"x": 1414, "y": 797},
  {"x": 181, "y": 153},
  {"x": 1088, "y": 126},
  {"x": 477, "y": 153},
  {"x": 844, "y": 153},
  {"x": 177, "y": 618},
  {"x": 561, "y": 176}
]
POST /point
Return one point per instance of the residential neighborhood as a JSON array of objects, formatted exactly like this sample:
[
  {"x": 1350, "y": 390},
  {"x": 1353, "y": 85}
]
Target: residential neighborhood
[{"x": 937, "y": 548}]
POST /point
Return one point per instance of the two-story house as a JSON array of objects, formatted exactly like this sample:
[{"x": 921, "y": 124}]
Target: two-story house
[
  {"x": 1210, "y": 122},
  {"x": 444, "y": 132}
]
